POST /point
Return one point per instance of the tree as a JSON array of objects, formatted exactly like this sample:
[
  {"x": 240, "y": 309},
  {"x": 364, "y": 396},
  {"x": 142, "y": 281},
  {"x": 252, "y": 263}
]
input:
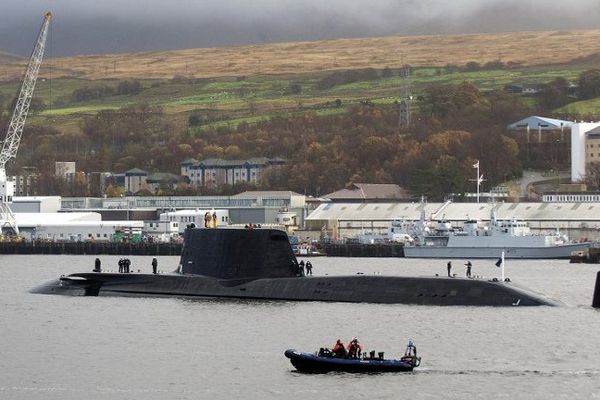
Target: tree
[
  {"x": 592, "y": 175},
  {"x": 589, "y": 84},
  {"x": 115, "y": 191},
  {"x": 129, "y": 87}
]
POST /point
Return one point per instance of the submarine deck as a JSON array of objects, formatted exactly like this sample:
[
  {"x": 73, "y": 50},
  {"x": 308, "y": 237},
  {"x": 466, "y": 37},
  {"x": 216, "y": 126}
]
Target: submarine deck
[{"x": 371, "y": 289}]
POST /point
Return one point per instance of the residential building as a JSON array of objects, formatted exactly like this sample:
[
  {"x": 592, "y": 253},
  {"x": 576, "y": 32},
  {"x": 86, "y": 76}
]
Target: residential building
[
  {"x": 135, "y": 180},
  {"x": 162, "y": 180},
  {"x": 64, "y": 169},
  {"x": 585, "y": 147},
  {"x": 217, "y": 172},
  {"x": 592, "y": 146},
  {"x": 26, "y": 182}
]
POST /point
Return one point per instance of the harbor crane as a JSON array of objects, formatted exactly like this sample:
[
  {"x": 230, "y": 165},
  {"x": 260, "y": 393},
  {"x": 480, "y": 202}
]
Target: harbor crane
[{"x": 10, "y": 145}]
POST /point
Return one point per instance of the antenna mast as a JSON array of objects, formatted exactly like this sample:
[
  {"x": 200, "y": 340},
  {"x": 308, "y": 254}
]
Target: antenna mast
[{"x": 405, "y": 97}]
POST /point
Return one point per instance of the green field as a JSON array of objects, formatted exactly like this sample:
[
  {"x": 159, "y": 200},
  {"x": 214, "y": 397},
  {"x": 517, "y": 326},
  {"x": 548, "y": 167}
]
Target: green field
[
  {"x": 583, "y": 108},
  {"x": 231, "y": 101}
]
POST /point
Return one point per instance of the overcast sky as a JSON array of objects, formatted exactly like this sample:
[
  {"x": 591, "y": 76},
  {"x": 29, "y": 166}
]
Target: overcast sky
[{"x": 101, "y": 26}]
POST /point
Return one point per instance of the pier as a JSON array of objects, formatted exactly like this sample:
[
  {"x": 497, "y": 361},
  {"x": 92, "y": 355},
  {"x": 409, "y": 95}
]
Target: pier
[
  {"x": 364, "y": 250},
  {"x": 92, "y": 248}
]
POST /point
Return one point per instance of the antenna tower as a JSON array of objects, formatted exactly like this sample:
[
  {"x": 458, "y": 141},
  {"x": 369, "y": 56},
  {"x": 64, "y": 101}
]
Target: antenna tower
[{"x": 405, "y": 98}]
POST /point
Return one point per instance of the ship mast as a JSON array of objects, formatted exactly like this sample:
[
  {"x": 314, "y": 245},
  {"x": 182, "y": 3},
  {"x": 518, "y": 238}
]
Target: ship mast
[{"x": 478, "y": 178}]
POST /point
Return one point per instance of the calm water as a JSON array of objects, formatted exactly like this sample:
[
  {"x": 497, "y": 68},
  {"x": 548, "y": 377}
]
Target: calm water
[{"x": 54, "y": 347}]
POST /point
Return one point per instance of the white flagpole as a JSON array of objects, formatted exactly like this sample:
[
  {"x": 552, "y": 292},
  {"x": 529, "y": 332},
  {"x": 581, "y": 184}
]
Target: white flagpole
[
  {"x": 477, "y": 177},
  {"x": 502, "y": 265}
]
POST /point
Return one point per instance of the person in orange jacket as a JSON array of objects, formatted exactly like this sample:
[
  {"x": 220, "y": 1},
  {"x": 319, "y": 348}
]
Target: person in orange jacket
[
  {"x": 354, "y": 348},
  {"x": 338, "y": 349}
]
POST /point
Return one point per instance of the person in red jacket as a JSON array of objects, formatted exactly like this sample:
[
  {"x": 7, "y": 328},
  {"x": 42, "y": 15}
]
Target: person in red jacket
[
  {"x": 338, "y": 349},
  {"x": 354, "y": 348}
]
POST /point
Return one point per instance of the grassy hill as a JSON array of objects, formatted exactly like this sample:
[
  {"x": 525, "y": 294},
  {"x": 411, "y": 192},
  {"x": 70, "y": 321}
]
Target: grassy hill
[
  {"x": 249, "y": 83},
  {"x": 583, "y": 108},
  {"x": 8, "y": 58},
  {"x": 526, "y": 48}
]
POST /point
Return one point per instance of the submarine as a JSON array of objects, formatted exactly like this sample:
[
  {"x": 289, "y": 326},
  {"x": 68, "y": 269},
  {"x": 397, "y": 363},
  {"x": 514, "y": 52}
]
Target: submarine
[{"x": 259, "y": 264}]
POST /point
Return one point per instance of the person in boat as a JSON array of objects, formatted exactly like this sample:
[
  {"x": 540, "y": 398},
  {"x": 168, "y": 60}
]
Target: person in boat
[
  {"x": 469, "y": 265},
  {"x": 308, "y": 268},
  {"x": 354, "y": 348},
  {"x": 411, "y": 349},
  {"x": 338, "y": 349}
]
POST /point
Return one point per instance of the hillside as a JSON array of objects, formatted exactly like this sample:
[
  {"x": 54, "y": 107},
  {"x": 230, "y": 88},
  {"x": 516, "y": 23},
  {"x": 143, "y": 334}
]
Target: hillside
[
  {"x": 9, "y": 58},
  {"x": 526, "y": 48},
  {"x": 326, "y": 107}
]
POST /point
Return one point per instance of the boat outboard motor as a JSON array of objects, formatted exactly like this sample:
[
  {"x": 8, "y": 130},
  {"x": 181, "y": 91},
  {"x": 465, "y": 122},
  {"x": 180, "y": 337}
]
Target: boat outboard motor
[{"x": 596, "y": 300}]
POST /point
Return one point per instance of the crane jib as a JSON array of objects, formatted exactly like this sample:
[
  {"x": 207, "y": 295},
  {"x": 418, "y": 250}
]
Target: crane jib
[
  {"x": 10, "y": 145},
  {"x": 17, "y": 122}
]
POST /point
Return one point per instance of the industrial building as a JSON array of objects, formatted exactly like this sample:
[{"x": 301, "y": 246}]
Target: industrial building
[
  {"x": 248, "y": 207},
  {"x": 79, "y": 231},
  {"x": 344, "y": 220},
  {"x": 541, "y": 124}
]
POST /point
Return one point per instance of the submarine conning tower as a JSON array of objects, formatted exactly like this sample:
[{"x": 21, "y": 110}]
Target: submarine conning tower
[{"x": 238, "y": 254}]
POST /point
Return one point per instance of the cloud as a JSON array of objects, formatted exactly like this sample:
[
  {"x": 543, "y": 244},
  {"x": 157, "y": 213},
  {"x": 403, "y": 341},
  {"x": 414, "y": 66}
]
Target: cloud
[{"x": 86, "y": 26}]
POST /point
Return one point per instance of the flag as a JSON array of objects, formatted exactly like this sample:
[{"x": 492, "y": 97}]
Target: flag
[
  {"x": 499, "y": 262},
  {"x": 476, "y": 165}
]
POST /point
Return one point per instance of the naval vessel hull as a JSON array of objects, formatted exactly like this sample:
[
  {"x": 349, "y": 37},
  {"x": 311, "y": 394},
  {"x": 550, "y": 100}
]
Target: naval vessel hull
[
  {"x": 465, "y": 252},
  {"x": 259, "y": 264},
  {"x": 439, "y": 291}
]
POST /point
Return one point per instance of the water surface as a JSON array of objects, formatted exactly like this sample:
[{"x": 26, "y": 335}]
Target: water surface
[{"x": 55, "y": 347}]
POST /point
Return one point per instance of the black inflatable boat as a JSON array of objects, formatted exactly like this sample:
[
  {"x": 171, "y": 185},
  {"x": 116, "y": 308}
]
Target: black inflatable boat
[{"x": 319, "y": 364}]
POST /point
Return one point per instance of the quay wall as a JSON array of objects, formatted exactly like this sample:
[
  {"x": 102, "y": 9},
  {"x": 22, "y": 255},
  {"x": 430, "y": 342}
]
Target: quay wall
[
  {"x": 363, "y": 250},
  {"x": 83, "y": 248}
]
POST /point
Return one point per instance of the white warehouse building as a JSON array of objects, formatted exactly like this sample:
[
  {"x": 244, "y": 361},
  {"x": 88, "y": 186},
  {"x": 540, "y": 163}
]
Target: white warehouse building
[
  {"x": 73, "y": 227},
  {"x": 344, "y": 220}
]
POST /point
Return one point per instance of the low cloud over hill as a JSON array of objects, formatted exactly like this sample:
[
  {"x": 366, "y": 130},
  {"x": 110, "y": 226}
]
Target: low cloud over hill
[{"x": 141, "y": 25}]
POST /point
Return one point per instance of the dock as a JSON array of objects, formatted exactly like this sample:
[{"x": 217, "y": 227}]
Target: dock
[
  {"x": 591, "y": 256},
  {"x": 92, "y": 248},
  {"x": 364, "y": 250}
]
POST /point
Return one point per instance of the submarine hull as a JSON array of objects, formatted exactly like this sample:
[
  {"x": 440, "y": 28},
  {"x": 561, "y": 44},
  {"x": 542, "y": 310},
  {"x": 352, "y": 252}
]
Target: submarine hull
[
  {"x": 439, "y": 291},
  {"x": 260, "y": 264}
]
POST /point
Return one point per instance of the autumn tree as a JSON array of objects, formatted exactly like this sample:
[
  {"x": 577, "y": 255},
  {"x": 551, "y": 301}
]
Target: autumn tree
[{"x": 589, "y": 84}]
